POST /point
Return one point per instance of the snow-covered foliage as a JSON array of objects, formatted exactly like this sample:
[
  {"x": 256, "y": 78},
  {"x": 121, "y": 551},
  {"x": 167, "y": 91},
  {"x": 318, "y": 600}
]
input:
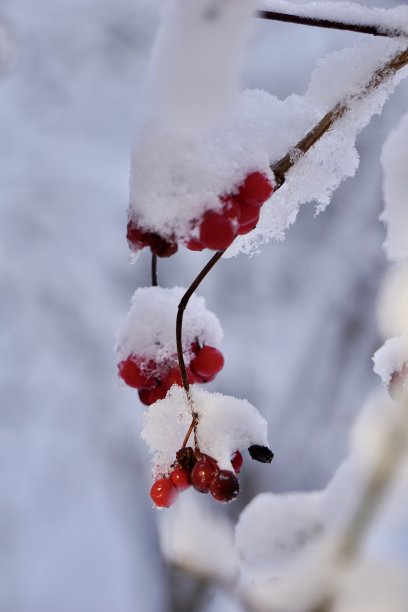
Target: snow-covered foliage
[
  {"x": 393, "y": 302},
  {"x": 395, "y": 215},
  {"x": 225, "y": 424},
  {"x": 149, "y": 328},
  {"x": 390, "y": 358}
]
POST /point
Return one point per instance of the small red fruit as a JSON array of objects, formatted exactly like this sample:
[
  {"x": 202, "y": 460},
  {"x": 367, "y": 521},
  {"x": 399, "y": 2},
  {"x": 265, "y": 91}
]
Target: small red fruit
[
  {"x": 237, "y": 462},
  {"x": 216, "y": 231},
  {"x": 248, "y": 214},
  {"x": 194, "y": 244},
  {"x": 135, "y": 237},
  {"x": 225, "y": 486},
  {"x": 173, "y": 377},
  {"x": 150, "y": 396},
  {"x": 245, "y": 229},
  {"x": 134, "y": 373},
  {"x": 180, "y": 477},
  {"x": 203, "y": 473},
  {"x": 208, "y": 362},
  {"x": 255, "y": 189},
  {"x": 163, "y": 493},
  {"x": 231, "y": 208}
]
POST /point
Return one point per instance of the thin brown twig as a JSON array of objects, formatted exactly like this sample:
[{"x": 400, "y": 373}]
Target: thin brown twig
[
  {"x": 154, "y": 271},
  {"x": 329, "y": 23},
  {"x": 280, "y": 170}
]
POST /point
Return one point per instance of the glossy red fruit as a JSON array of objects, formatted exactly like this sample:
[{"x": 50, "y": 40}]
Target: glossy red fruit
[
  {"x": 180, "y": 477},
  {"x": 163, "y": 493},
  {"x": 255, "y": 189},
  {"x": 135, "y": 236},
  {"x": 245, "y": 229},
  {"x": 194, "y": 244},
  {"x": 203, "y": 473},
  {"x": 225, "y": 486},
  {"x": 208, "y": 362},
  {"x": 248, "y": 214},
  {"x": 237, "y": 462},
  {"x": 216, "y": 231},
  {"x": 150, "y": 396},
  {"x": 203, "y": 379},
  {"x": 135, "y": 374},
  {"x": 231, "y": 208},
  {"x": 173, "y": 377}
]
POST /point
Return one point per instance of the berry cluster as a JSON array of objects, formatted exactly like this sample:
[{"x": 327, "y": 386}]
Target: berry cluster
[
  {"x": 153, "y": 379},
  {"x": 200, "y": 471},
  {"x": 238, "y": 215}
]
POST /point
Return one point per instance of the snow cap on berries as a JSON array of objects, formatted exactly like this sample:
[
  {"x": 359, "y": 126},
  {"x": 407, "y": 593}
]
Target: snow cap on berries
[
  {"x": 225, "y": 424},
  {"x": 149, "y": 329}
]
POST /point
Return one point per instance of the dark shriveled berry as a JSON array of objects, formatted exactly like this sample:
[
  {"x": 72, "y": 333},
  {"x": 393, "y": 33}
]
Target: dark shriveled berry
[
  {"x": 186, "y": 458},
  {"x": 225, "y": 486},
  {"x": 261, "y": 453}
]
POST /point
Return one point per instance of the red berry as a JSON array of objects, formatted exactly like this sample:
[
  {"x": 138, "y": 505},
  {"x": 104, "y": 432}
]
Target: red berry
[
  {"x": 208, "y": 362},
  {"x": 163, "y": 493},
  {"x": 173, "y": 377},
  {"x": 237, "y": 462},
  {"x": 180, "y": 477},
  {"x": 255, "y": 189},
  {"x": 248, "y": 214},
  {"x": 216, "y": 231},
  {"x": 225, "y": 486},
  {"x": 203, "y": 473},
  {"x": 202, "y": 379},
  {"x": 194, "y": 244},
  {"x": 231, "y": 208},
  {"x": 135, "y": 374},
  {"x": 245, "y": 229},
  {"x": 135, "y": 237},
  {"x": 150, "y": 396}
]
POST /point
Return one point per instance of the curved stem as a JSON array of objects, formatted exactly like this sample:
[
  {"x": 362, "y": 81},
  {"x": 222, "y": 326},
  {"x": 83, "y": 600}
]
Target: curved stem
[
  {"x": 328, "y": 23},
  {"x": 154, "y": 270}
]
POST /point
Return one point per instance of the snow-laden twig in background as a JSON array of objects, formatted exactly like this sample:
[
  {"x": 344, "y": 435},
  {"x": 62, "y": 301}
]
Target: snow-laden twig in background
[
  {"x": 338, "y": 16},
  {"x": 390, "y": 453},
  {"x": 328, "y": 23}
]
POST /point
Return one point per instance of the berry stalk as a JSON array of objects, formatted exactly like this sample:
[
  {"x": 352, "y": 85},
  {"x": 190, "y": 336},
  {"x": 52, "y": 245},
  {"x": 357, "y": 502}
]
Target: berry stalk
[{"x": 155, "y": 281}]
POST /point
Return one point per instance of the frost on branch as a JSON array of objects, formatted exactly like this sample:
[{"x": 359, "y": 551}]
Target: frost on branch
[
  {"x": 386, "y": 20},
  {"x": 273, "y": 531},
  {"x": 317, "y": 174},
  {"x": 394, "y": 162},
  {"x": 393, "y": 302},
  {"x": 149, "y": 328},
  {"x": 390, "y": 359},
  {"x": 225, "y": 424},
  {"x": 199, "y": 540}
]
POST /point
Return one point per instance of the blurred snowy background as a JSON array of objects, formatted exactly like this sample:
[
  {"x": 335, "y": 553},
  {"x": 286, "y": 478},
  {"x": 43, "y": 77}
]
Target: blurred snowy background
[{"x": 77, "y": 531}]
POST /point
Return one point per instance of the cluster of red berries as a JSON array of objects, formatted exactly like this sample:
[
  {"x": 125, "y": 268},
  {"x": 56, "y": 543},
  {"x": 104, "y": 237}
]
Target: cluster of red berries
[
  {"x": 201, "y": 472},
  {"x": 239, "y": 215},
  {"x": 153, "y": 379}
]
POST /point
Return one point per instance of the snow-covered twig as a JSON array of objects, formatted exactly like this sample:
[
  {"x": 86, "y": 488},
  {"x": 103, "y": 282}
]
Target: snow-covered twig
[
  {"x": 332, "y": 24},
  {"x": 390, "y": 456},
  {"x": 282, "y": 167}
]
